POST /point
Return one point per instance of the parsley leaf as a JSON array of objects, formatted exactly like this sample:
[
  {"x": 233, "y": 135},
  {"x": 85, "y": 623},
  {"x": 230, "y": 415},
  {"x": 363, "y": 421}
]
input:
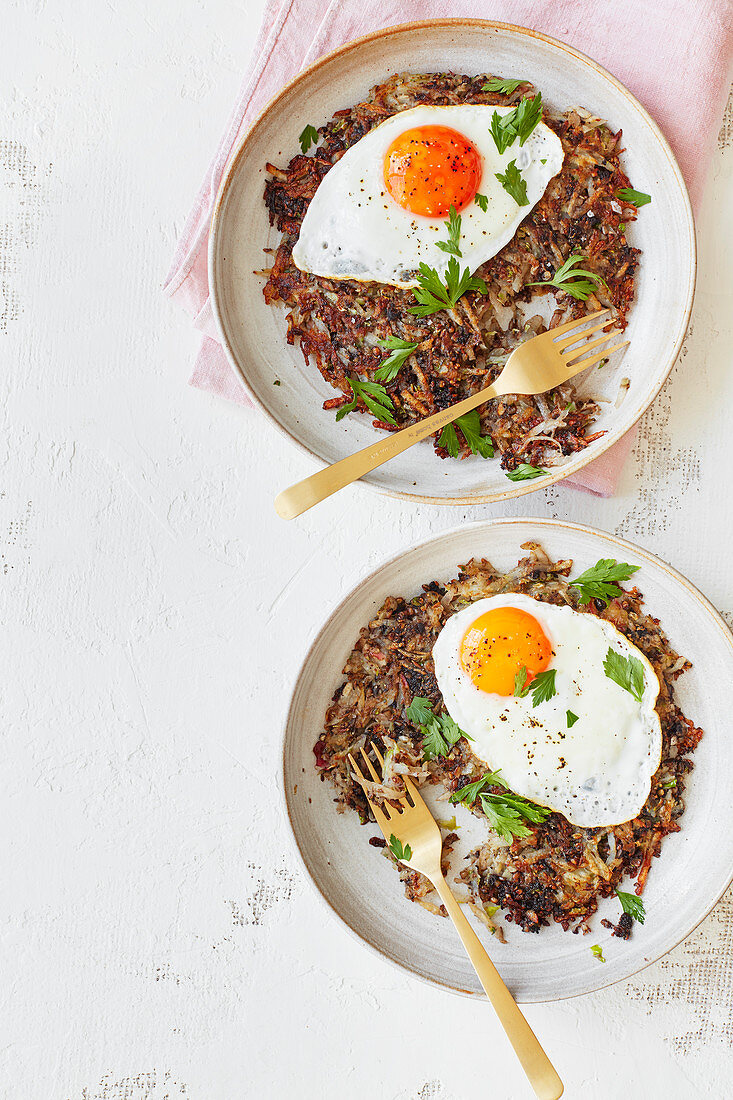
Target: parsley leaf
[
  {"x": 527, "y": 115},
  {"x": 374, "y": 396},
  {"x": 514, "y": 184},
  {"x": 470, "y": 425},
  {"x": 502, "y": 130},
  {"x": 434, "y": 295},
  {"x": 398, "y": 850},
  {"x": 575, "y": 281},
  {"x": 506, "y": 813},
  {"x": 627, "y": 672},
  {"x": 453, "y": 225},
  {"x": 518, "y": 123},
  {"x": 307, "y": 138},
  {"x": 598, "y": 952},
  {"x": 632, "y": 905},
  {"x": 498, "y": 84},
  {"x": 439, "y": 731},
  {"x": 481, "y": 201},
  {"x": 390, "y": 367},
  {"x": 449, "y": 440},
  {"x": 669, "y": 784},
  {"x": 542, "y": 685},
  {"x": 571, "y": 718},
  {"x": 471, "y": 791},
  {"x": 600, "y": 581},
  {"x": 525, "y": 472},
  {"x": 638, "y": 198},
  {"x": 420, "y": 711}
]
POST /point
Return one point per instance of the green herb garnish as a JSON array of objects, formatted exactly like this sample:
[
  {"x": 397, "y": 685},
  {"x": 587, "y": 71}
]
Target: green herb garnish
[
  {"x": 542, "y": 685},
  {"x": 525, "y": 472},
  {"x": 627, "y": 672},
  {"x": 398, "y": 850},
  {"x": 453, "y": 225},
  {"x": 307, "y": 138},
  {"x": 571, "y": 718},
  {"x": 390, "y": 367},
  {"x": 374, "y": 396},
  {"x": 470, "y": 425},
  {"x": 669, "y": 784},
  {"x": 632, "y": 905},
  {"x": 434, "y": 295},
  {"x": 638, "y": 198},
  {"x": 575, "y": 281},
  {"x": 439, "y": 731},
  {"x": 498, "y": 84},
  {"x": 518, "y": 123},
  {"x": 600, "y": 581},
  {"x": 481, "y": 201},
  {"x": 598, "y": 952},
  {"x": 506, "y": 813},
  {"x": 502, "y": 130},
  {"x": 514, "y": 184}
]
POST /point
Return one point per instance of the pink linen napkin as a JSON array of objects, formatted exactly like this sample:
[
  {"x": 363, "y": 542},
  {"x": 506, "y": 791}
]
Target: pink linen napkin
[{"x": 674, "y": 55}]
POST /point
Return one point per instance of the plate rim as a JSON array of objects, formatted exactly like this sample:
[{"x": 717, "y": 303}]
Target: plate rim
[
  {"x": 364, "y": 578},
  {"x": 516, "y": 489}
]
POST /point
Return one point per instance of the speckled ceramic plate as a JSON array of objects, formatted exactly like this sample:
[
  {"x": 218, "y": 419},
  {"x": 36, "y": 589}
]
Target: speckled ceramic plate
[
  {"x": 253, "y": 333},
  {"x": 360, "y": 886}
]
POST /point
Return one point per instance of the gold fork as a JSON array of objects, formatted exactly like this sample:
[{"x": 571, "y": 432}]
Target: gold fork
[
  {"x": 407, "y": 818},
  {"x": 535, "y": 366}
]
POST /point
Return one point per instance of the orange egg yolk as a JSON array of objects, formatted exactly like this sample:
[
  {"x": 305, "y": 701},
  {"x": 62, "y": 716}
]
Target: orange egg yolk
[
  {"x": 428, "y": 169},
  {"x": 499, "y": 644}
]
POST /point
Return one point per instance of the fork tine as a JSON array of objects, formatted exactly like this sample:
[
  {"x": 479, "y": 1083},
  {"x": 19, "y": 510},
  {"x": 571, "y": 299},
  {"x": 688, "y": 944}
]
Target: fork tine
[
  {"x": 361, "y": 778},
  {"x": 378, "y": 755},
  {"x": 382, "y": 817},
  {"x": 372, "y": 770},
  {"x": 575, "y": 336},
  {"x": 571, "y": 356},
  {"x": 412, "y": 791},
  {"x": 581, "y": 364},
  {"x": 558, "y": 331}
]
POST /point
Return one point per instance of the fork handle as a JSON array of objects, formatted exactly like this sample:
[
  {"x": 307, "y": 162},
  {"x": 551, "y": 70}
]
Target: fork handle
[
  {"x": 535, "y": 1063},
  {"x": 304, "y": 494}
]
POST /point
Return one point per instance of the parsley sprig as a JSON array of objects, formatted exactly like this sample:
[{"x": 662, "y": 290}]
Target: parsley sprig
[
  {"x": 470, "y": 425},
  {"x": 519, "y": 123},
  {"x": 453, "y": 225},
  {"x": 506, "y": 813},
  {"x": 575, "y": 281},
  {"x": 439, "y": 731},
  {"x": 499, "y": 84},
  {"x": 600, "y": 582},
  {"x": 434, "y": 295},
  {"x": 598, "y": 952},
  {"x": 570, "y": 718},
  {"x": 308, "y": 137},
  {"x": 525, "y": 472},
  {"x": 374, "y": 396},
  {"x": 514, "y": 183},
  {"x": 390, "y": 367},
  {"x": 398, "y": 850},
  {"x": 627, "y": 672},
  {"x": 482, "y": 201},
  {"x": 632, "y": 905},
  {"x": 542, "y": 686},
  {"x": 637, "y": 198}
]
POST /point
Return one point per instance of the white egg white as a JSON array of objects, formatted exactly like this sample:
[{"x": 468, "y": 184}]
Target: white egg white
[
  {"x": 353, "y": 228},
  {"x": 597, "y": 772}
]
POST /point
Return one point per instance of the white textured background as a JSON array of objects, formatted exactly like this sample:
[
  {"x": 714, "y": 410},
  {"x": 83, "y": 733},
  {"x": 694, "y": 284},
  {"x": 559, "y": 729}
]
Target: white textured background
[{"x": 157, "y": 939}]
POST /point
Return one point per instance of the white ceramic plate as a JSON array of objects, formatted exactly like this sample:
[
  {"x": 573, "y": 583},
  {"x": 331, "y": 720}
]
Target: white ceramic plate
[
  {"x": 253, "y": 333},
  {"x": 361, "y": 887}
]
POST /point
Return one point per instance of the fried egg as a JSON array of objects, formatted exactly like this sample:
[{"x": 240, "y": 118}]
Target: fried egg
[
  {"x": 588, "y": 752},
  {"x": 380, "y": 211}
]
